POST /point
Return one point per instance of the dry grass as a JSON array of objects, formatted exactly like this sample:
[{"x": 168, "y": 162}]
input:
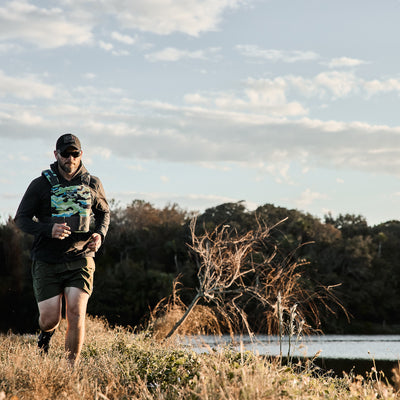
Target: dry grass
[
  {"x": 201, "y": 321},
  {"x": 120, "y": 364}
]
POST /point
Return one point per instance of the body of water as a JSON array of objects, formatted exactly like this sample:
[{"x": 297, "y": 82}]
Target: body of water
[{"x": 367, "y": 347}]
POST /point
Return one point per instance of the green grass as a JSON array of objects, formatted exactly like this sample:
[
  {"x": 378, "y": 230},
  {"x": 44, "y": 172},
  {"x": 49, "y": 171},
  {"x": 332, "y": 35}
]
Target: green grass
[{"x": 120, "y": 364}]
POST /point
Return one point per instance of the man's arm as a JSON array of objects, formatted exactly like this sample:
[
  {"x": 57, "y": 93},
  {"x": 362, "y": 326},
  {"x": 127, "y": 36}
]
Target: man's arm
[
  {"x": 28, "y": 209},
  {"x": 101, "y": 212}
]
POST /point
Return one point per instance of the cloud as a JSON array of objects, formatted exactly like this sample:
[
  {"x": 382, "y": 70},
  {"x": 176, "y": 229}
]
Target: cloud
[
  {"x": 164, "y": 179},
  {"x": 106, "y": 46},
  {"x": 191, "y": 17},
  {"x": 273, "y": 55},
  {"x": 9, "y": 47},
  {"x": 28, "y": 87},
  {"x": 341, "y": 62},
  {"x": 196, "y": 99},
  {"x": 43, "y": 27},
  {"x": 266, "y": 96},
  {"x": 193, "y": 134},
  {"x": 126, "y": 39},
  {"x": 73, "y": 22},
  {"x": 137, "y": 168},
  {"x": 162, "y": 17},
  {"x": 192, "y": 201},
  {"x": 338, "y": 83},
  {"x": 257, "y": 126},
  {"x": 384, "y": 86},
  {"x": 271, "y": 95},
  {"x": 89, "y": 75},
  {"x": 173, "y": 54},
  {"x": 279, "y": 170},
  {"x": 308, "y": 197}
]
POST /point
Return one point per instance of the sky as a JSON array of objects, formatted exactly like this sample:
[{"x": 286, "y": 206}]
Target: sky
[{"x": 202, "y": 102}]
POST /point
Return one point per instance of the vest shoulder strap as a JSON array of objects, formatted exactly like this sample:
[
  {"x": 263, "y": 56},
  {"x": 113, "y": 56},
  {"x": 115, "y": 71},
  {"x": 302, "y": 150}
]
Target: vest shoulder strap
[{"x": 52, "y": 177}]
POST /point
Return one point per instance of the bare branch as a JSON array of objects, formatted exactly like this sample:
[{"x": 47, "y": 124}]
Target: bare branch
[{"x": 235, "y": 271}]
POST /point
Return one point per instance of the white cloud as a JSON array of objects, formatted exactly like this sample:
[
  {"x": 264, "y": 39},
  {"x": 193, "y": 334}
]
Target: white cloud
[
  {"x": 338, "y": 83},
  {"x": 308, "y": 197},
  {"x": 257, "y": 124},
  {"x": 126, "y": 39},
  {"x": 196, "y": 98},
  {"x": 120, "y": 53},
  {"x": 8, "y": 47},
  {"x": 73, "y": 22},
  {"x": 215, "y": 166},
  {"x": 173, "y": 54},
  {"x": 271, "y": 95},
  {"x": 106, "y": 46},
  {"x": 345, "y": 62},
  {"x": 382, "y": 86},
  {"x": 193, "y": 134},
  {"x": 164, "y": 179},
  {"x": 28, "y": 87},
  {"x": 267, "y": 96},
  {"x": 280, "y": 171},
  {"x": 192, "y": 201},
  {"x": 137, "y": 168},
  {"x": 43, "y": 27},
  {"x": 89, "y": 75},
  {"x": 288, "y": 56},
  {"x": 165, "y": 17}
]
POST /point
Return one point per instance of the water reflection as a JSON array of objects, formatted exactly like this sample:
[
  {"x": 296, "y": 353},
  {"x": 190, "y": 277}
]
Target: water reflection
[{"x": 377, "y": 347}]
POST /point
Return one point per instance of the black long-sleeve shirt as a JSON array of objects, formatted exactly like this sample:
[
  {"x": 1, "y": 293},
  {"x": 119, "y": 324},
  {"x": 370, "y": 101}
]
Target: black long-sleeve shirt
[{"x": 34, "y": 217}]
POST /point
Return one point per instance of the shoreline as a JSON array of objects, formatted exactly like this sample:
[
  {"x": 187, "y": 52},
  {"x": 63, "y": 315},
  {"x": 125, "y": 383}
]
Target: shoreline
[{"x": 360, "y": 366}]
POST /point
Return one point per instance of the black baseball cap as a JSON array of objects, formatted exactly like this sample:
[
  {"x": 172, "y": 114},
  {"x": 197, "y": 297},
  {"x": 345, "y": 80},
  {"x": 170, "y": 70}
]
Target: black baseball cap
[{"x": 67, "y": 140}]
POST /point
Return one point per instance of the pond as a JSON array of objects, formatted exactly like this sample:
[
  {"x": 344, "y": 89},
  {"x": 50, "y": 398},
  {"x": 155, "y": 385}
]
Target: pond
[{"x": 358, "y": 353}]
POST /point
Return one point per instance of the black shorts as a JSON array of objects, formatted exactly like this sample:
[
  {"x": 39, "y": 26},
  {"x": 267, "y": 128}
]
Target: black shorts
[{"x": 50, "y": 280}]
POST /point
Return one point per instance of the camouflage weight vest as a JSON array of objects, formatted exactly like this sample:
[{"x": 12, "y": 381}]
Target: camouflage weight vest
[{"x": 70, "y": 204}]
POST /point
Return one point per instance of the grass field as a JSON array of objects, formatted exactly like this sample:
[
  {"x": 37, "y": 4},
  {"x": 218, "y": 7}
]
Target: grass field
[{"x": 120, "y": 364}]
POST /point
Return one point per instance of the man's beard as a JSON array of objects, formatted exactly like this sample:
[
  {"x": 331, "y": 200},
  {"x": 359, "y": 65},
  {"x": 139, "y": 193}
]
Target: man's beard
[{"x": 66, "y": 167}]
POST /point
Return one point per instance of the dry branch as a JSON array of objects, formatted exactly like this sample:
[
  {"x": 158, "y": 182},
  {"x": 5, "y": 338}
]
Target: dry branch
[{"x": 236, "y": 270}]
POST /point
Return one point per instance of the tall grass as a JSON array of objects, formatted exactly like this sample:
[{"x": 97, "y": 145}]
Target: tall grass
[{"x": 121, "y": 364}]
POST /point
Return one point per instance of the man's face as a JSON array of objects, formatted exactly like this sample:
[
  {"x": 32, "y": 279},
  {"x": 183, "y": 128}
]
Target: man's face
[{"x": 69, "y": 160}]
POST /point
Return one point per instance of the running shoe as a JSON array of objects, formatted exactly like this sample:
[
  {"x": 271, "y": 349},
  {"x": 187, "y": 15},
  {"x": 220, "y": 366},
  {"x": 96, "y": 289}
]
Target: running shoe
[{"x": 44, "y": 340}]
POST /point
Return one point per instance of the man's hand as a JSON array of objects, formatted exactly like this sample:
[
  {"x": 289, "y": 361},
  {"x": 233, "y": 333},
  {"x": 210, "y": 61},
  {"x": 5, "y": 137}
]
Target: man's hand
[
  {"x": 95, "y": 242},
  {"x": 60, "y": 231}
]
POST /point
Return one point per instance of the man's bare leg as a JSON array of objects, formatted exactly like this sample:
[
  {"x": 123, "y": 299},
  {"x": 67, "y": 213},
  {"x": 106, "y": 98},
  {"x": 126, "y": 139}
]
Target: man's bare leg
[
  {"x": 49, "y": 318},
  {"x": 50, "y": 313},
  {"x": 76, "y": 302}
]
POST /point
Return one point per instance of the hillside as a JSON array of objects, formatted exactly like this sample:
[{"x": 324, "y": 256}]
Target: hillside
[{"x": 119, "y": 364}]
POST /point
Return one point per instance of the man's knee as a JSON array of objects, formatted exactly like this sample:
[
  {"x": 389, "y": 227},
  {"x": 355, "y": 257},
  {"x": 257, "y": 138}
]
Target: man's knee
[
  {"x": 48, "y": 322},
  {"x": 49, "y": 313},
  {"x": 76, "y": 300},
  {"x": 76, "y": 313}
]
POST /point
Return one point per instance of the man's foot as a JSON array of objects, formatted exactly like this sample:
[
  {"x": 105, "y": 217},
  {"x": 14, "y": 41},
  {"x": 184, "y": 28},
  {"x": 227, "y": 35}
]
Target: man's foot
[{"x": 44, "y": 340}]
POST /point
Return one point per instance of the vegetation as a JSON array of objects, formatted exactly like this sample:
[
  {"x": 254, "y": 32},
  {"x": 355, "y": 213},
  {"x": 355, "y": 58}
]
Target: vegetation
[
  {"x": 227, "y": 270},
  {"x": 148, "y": 249},
  {"x": 118, "y": 364}
]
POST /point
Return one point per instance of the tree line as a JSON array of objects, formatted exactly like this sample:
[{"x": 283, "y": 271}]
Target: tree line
[{"x": 147, "y": 248}]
